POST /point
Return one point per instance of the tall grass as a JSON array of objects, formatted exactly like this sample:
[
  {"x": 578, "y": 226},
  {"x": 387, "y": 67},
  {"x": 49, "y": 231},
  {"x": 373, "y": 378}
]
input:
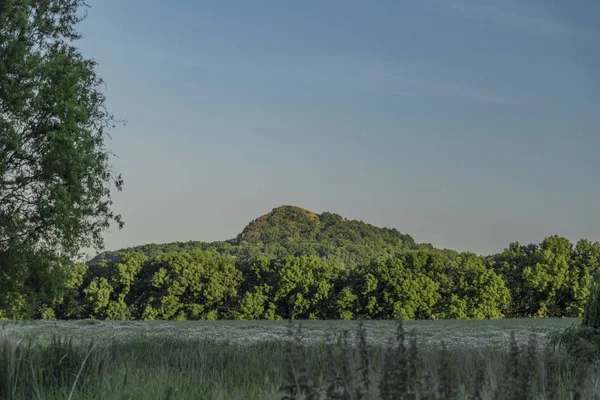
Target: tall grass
[
  {"x": 348, "y": 367},
  {"x": 582, "y": 339},
  {"x": 403, "y": 371}
]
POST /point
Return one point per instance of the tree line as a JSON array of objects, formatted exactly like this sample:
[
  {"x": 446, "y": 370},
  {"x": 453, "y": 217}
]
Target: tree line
[{"x": 550, "y": 279}]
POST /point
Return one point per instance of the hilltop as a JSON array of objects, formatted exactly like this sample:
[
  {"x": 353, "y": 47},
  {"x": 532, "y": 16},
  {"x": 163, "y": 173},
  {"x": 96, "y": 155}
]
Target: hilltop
[
  {"x": 292, "y": 230},
  {"x": 290, "y": 224},
  {"x": 293, "y": 219}
]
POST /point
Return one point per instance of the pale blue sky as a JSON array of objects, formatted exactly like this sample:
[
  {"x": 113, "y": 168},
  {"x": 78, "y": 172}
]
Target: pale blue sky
[{"x": 467, "y": 124}]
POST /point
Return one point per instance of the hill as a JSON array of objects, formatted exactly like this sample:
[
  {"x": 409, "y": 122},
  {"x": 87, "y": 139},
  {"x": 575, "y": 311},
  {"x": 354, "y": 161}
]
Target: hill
[
  {"x": 291, "y": 230},
  {"x": 294, "y": 263}
]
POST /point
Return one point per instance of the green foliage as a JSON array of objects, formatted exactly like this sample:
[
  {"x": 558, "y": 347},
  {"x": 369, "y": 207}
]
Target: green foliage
[
  {"x": 257, "y": 304},
  {"x": 31, "y": 283},
  {"x": 197, "y": 285},
  {"x": 98, "y": 295},
  {"x": 550, "y": 279},
  {"x": 55, "y": 172},
  {"x": 290, "y": 288},
  {"x": 293, "y": 231},
  {"x": 414, "y": 284},
  {"x": 547, "y": 279},
  {"x": 583, "y": 338},
  {"x": 471, "y": 290},
  {"x": 294, "y": 264},
  {"x": 303, "y": 286},
  {"x": 585, "y": 264},
  {"x": 393, "y": 288},
  {"x": 298, "y": 264}
]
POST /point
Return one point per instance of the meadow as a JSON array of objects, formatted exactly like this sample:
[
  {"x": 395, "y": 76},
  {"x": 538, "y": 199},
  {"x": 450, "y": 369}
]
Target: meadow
[{"x": 90, "y": 359}]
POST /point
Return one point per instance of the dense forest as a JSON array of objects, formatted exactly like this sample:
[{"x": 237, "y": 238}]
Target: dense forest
[{"x": 292, "y": 263}]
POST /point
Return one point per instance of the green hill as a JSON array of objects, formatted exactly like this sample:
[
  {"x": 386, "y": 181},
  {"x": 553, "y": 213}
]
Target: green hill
[
  {"x": 294, "y": 263},
  {"x": 290, "y": 230}
]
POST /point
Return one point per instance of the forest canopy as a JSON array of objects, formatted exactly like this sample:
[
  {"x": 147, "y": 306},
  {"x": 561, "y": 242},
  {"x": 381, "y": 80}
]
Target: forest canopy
[{"x": 292, "y": 263}]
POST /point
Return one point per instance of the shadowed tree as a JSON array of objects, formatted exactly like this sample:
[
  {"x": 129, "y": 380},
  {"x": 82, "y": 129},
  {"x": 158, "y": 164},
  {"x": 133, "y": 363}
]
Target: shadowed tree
[{"x": 55, "y": 170}]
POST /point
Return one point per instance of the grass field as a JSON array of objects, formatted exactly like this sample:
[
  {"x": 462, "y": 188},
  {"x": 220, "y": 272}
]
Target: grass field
[
  {"x": 474, "y": 334},
  {"x": 251, "y": 360}
]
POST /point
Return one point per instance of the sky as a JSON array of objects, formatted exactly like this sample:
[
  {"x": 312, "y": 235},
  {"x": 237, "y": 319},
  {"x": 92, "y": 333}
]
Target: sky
[{"x": 466, "y": 124}]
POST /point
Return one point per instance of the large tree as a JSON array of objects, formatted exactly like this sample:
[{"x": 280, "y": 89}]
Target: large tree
[{"x": 55, "y": 169}]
